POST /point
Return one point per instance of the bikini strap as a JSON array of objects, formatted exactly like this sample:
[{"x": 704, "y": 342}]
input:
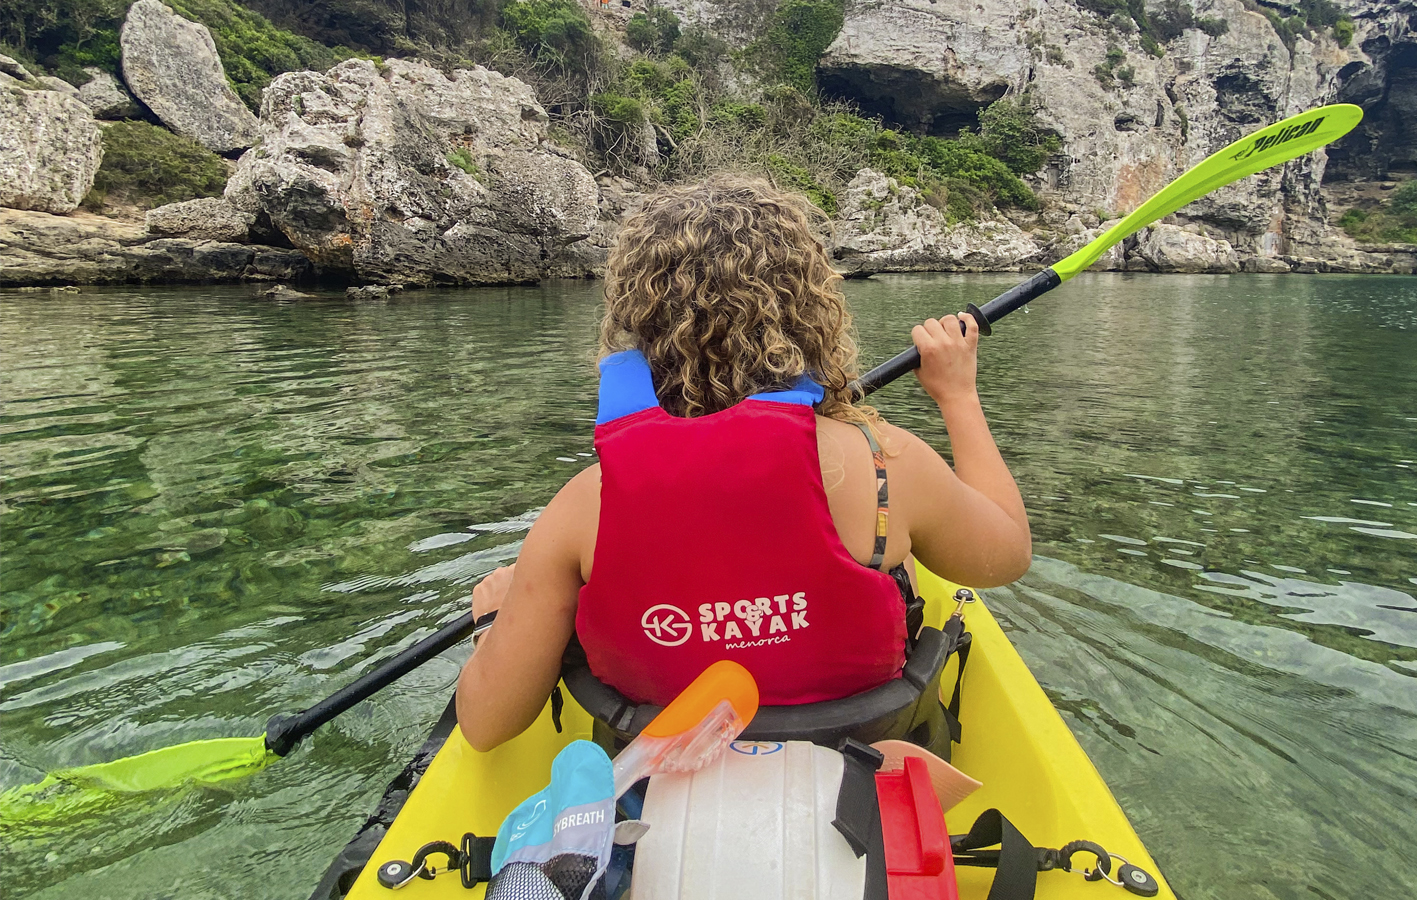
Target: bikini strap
[{"x": 878, "y": 553}]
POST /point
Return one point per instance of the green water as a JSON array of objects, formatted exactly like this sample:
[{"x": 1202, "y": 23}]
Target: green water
[{"x": 216, "y": 508}]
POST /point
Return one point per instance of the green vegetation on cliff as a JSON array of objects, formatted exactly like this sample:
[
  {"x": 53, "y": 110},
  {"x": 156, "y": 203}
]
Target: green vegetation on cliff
[
  {"x": 1394, "y": 222},
  {"x": 800, "y": 33},
  {"x": 663, "y": 111},
  {"x": 67, "y": 35},
  {"x": 146, "y": 165},
  {"x": 252, "y": 50},
  {"x": 663, "y": 107}
]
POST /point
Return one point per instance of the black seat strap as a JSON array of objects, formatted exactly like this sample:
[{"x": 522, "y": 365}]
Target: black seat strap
[
  {"x": 1016, "y": 859},
  {"x": 858, "y": 813},
  {"x": 1018, "y": 862}
]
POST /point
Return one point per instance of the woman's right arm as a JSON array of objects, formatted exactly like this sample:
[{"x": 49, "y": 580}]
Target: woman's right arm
[{"x": 967, "y": 524}]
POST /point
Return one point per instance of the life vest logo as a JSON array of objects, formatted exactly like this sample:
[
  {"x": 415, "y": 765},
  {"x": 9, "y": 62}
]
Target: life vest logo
[
  {"x": 755, "y": 748},
  {"x": 666, "y": 625},
  {"x": 759, "y": 622}
]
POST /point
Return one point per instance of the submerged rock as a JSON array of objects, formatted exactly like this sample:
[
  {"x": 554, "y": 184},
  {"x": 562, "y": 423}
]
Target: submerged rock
[
  {"x": 372, "y": 291},
  {"x": 284, "y": 294},
  {"x": 106, "y": 97},
  {"x": 171, "y": 64},
  {"x": 50, "y": 148},
  {"x": 397, "y": 173}
]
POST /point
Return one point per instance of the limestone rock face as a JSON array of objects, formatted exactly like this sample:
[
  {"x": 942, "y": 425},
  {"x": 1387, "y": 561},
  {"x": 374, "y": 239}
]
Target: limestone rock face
[
  {"x": 207, "y": 219},
  {"x": 1132, "y": 123},
  {"x": 1168, "y": 248},
  {"x": 883, "y": 225},
  {"x": 171, "y": 64},
  {"x": 399, "y": 174},
  {"x": 50, "y": 148},
  {"x": 106, "y": 97},
  {"x": 38, "y": 248}
]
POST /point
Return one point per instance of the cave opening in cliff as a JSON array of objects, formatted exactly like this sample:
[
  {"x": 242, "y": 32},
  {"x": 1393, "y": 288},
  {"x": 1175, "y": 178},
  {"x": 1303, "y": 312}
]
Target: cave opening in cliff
[
  {"x": 908, "y": 99},
  {"x": 1385, "y": 143}
]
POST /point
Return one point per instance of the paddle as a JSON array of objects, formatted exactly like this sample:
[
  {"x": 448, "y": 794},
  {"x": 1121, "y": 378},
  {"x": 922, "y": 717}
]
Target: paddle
[
  {"x": 220, "y": 759},
  {"x": 1280, "y": 142}
]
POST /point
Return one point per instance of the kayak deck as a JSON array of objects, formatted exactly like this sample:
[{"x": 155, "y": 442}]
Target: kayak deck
[{"x": 1014, "y": 741}]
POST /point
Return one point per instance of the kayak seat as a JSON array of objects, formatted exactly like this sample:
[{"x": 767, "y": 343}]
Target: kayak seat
[{"x": 905, "y": 708}]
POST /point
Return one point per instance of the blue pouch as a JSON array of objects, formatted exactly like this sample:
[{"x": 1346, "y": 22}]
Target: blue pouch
[{"x": 557, "y": 843}]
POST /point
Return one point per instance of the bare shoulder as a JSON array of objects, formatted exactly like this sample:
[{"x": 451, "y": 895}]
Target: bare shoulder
[
  {"x": 906, "y": 446},
  {"x": 573, "y": 517},
  {"x": 576, "y": 506}
]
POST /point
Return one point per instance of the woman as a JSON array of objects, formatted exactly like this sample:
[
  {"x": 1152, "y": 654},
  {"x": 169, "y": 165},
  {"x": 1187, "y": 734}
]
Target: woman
[{"x": 743, "y": 506}]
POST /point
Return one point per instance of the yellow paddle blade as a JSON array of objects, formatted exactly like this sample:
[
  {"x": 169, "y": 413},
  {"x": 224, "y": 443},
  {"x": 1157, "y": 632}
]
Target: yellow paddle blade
[
  {"x": 206, "y": 762},
  {"x": 1280, "y": 142}
]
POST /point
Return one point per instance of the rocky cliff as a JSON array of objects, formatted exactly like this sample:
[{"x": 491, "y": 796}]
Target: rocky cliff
[
  {"x": 397, "y": 173},
  {"x": 1131, "y": 120}
]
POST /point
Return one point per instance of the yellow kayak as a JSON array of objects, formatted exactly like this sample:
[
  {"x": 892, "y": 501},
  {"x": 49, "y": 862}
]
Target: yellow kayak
[{"x": 1014, "y": 741}]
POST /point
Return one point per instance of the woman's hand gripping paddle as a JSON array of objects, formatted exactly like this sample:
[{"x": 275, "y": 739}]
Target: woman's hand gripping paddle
[
  {"x": 1267, "y": 147},
  {"x": 694, "y": 728}
]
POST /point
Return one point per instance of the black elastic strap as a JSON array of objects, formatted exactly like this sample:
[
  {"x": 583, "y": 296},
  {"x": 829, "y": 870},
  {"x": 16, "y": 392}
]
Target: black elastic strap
[
  {"x": 857, "y": 812},
  {"x": 1017, "y": 860},
  {"x": 952, "y": 708},
  {"x": 558, "y": 703},
  {"x": 914, "y": 605}
]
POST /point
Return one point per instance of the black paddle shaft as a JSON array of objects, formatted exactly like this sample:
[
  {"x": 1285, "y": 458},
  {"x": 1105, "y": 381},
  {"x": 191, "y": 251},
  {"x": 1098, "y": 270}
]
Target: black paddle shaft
[
  {"x": 284, "y": 731},
  {"x": 993, "y": 311}
]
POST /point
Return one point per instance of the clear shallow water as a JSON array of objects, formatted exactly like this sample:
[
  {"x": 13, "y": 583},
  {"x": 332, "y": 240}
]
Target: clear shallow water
[{"x": 216, "y": 508}]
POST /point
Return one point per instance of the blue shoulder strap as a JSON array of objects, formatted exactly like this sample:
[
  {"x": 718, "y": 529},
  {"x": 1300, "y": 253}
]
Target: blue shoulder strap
[
  {"x": 627, "y": 387},
  {"x": 804, "y": 392}
]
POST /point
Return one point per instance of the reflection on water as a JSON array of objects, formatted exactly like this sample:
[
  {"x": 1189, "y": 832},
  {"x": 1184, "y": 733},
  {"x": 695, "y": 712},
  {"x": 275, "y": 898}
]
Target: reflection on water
[{"x": 217, "y": 508}]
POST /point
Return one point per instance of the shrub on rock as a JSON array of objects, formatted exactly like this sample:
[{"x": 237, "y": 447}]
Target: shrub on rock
[{"x": 148, "y": 166}]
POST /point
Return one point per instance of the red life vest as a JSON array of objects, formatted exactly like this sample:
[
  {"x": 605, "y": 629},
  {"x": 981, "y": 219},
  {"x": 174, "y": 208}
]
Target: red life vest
[{"x": 716, "y": 542}]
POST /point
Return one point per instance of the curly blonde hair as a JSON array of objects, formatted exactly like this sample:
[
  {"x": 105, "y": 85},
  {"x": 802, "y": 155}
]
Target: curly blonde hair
[{"x": 726, "y": 290}]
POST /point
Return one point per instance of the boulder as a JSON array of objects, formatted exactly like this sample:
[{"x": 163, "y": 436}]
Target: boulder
[
  {"x": 1169, "y": 248},
  {"x": 106, "y": 97},
  {"x": 42, "y": 249},
  {"x": 884, "y": 226},
  {"x": 372, "y": 291},
  {"x": 50, "y": 148},
  {"x": 171, "y": 64},
  {"x": 1266, "y": 265},
  {"x": 206, "y": 219},
  {"x": 50, "y": 83},
  {"x": 586, "y": 258},
  {"x": 398, "y": 173},
  {"x": 283, "y": 294},
  {"x": 12, "y": 67}
]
